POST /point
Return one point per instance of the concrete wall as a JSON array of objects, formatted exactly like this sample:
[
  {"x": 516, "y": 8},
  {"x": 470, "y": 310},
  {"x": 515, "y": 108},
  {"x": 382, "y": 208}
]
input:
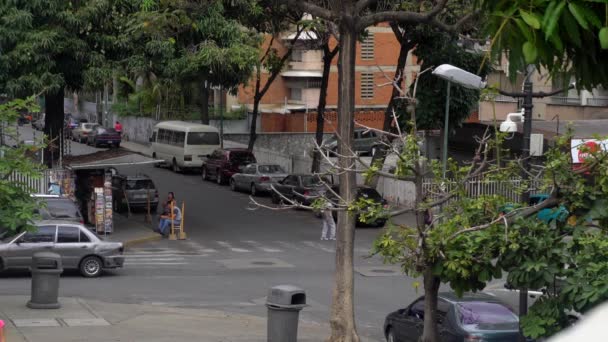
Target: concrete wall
[{"x": 290, "y": 144}]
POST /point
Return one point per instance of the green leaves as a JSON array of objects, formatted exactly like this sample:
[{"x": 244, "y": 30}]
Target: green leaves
[
  {"x": 531, "y": 19},
  {"x": 603, "y": 36},
  {"x": 553, "y": 19},
  {"x": 530, "y": 52}
]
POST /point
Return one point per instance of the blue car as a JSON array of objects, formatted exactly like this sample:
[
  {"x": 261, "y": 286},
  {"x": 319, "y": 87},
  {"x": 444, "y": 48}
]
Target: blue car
[{"x": 547, "y": 215}]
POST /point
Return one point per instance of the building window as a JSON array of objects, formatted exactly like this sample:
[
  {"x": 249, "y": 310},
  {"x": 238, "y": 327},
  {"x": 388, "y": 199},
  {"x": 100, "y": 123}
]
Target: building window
[
  {"x": 296, "y": 55},
  {"x": 296, "y": 94},
  {"x": 367, "y": 85},
  {"x": 367, "y": 47}
]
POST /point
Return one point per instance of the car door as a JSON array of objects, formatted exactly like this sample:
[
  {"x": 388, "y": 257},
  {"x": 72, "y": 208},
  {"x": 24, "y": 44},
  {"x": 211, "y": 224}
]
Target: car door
[
  {"x": 447, "y": 333},
  {"x": 68, "y": 245},
  {"x": 288, "y": 185},
  {"x": 367, "y": 141},
  {"x": 409, "y": 324},
  {"x": 357, "y": 141},
  {"x": 246, "y": 176},
  {"x": 213, "y": 162},
  {"x": 20, "y": 253}
]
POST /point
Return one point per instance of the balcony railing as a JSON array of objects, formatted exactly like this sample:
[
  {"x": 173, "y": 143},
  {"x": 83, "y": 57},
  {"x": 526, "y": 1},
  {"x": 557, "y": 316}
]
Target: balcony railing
[
  {"x": 597, "y": 101},
  {"x": 569, "y": 101},
  {"x": 503, "y": 98}
]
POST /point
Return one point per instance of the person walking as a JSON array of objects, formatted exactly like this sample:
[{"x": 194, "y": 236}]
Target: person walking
[
  {"x": 118, "y": 128},
  {"x": 165, "y": 220},
  {"x": 329, "y": 225}
]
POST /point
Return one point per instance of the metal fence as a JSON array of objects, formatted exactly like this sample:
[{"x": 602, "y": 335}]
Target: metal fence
[
  {"x": 510, "y": 189},
  {"x": 37, "y": 185}
]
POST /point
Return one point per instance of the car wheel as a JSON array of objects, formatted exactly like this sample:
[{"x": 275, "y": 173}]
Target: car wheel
[
  {"x": 232, "y": 185},
  {"x": 91, "y": 267},
  {"x": 174, "y": 166},
  {"x": 205, "y": 174},
  {"x": 218, "y": 177},
  {"x": 390, "y": 335},
  {"x": 254, "y": 191},
  {"x": 117, "y": 145},
  {"x": 154, "y": 157}
]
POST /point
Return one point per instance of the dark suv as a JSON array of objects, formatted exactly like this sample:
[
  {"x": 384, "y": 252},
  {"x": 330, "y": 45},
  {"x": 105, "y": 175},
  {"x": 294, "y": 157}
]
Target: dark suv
[
  {"x": 133, "y": 192},
  {"x": 58, "y": 208},
  {"x": 223, "y": 163}
]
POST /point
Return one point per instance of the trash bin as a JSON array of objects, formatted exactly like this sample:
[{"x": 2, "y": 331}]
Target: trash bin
[
  {"x": 46, "y": 269},
  {"x": 284, "y": 303}
]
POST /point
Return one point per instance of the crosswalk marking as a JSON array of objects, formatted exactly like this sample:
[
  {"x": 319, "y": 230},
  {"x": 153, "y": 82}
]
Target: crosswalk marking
[
  {"x": 200, "y": 248},
  {"x": 288, "y": 245},
  {"x": 229, "y": 246},
  {"x": 318, "y": 246},
  {"x": 145, "y": 263},
  {"x": 262, "y": 248}
]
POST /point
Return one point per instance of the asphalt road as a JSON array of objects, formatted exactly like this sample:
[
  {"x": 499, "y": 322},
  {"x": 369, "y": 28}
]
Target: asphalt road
[{"x": 233, "y": 254}]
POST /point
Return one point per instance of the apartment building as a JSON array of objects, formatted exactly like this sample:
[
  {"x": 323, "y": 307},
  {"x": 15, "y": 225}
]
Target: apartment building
[
  {"x": 291, "y": 101},
  {"x": 566, "y": 106}
]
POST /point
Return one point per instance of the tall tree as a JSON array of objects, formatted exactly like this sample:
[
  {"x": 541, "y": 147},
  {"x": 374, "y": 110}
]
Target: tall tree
[
  {"x": 46, "y": 48},
  {"x": 352, "y": 17},
  {"x": 324, "y": 34},
  {"x": 268, "y": 19}
]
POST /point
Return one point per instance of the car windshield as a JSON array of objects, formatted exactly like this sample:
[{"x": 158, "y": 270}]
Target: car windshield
[
  {"x": 203, "y": 138},
  {"x": 60, "y": 209},
  {"x": 89, "y": 126},
  {"x": 139, "y": 184},
  {"x": 314, "y": 181},
  {"x": 7, "y": 236},
  {"x": 270, "y": 169},
  {"x": 486, "y": 316},
  {"x": 241, "y": 158}
]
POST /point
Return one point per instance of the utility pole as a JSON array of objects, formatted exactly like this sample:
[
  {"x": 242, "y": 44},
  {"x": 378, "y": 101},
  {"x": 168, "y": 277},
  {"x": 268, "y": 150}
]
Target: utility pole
[{"x": 528, "y": 95}]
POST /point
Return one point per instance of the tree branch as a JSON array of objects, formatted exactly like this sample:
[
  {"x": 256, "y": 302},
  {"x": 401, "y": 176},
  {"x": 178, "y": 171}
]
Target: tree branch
[
  {"x": 405, "y": 17},
  {"x": 313, "y": 9}
]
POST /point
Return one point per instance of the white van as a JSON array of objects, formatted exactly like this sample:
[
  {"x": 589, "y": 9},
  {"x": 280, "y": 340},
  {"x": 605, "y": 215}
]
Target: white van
[{"x": 183, "y": 145}]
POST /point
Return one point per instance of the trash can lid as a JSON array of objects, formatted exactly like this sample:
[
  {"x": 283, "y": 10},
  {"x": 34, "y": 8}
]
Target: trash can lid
[
  {"x": 283, "y": 295},
  {"x": 46, "y": 260}
]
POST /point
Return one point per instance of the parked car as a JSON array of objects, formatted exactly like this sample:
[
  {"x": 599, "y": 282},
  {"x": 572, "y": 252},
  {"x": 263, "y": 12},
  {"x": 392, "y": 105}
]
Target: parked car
[
  {"x": 103, "y": 136},
  {"x": 39, "y": 124},
  {"x": 24, "y": 119},
  {"x": 364, "y": 141},
  {"x": 133, "y": 192},
  {"x": 223, "y": 163},
  {"x": 473, "y": 317},
  {"x": 58, "y": 208},
  {"x": 79, "y": 248},
  {"x": 363, "y": 192},
  {"x": 257, "y": 178},
  {"x": 82, "y": 131},
  {"x": 302, "y": 188}
]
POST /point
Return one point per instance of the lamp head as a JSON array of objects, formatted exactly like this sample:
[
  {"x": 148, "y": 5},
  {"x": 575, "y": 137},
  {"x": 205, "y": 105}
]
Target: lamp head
[
  {"x": 459, "y": 76},
  {"x": 508, "y": 126}
]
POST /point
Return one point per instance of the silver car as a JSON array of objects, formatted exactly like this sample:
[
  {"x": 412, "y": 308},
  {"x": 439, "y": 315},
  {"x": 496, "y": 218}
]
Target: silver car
[
  {"x": 257, "y": 178},
  {"x": 79, "y": 248},
  {"x": 81, "y": 133}
]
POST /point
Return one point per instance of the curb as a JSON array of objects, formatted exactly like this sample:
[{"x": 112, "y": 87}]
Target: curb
[{"x": 148, "y": 238}]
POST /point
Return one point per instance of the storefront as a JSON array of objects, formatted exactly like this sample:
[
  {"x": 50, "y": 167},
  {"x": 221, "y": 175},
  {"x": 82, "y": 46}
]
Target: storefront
[{"x": 88, "y": 181}]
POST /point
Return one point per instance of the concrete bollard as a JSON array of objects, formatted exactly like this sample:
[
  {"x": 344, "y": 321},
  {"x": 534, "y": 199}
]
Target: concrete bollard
[
  {"x": 284, "y": 303},
  {"x": 46, "y": 269}
]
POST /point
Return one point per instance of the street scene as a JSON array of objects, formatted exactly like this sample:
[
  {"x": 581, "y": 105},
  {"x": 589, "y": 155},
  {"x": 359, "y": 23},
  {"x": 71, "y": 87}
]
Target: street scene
[{"x": 283, "y": 171}]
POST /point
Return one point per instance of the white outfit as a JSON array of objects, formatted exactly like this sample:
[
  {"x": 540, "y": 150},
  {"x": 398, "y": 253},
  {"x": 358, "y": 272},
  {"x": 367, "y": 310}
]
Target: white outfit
[{"x": 328, "y": 224}]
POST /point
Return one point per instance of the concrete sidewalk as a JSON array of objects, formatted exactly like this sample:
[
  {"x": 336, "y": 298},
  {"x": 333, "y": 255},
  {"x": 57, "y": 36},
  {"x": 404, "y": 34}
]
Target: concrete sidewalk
[
  {"x": 131, "y": 232},
  {"x": 94, "y": 321}
]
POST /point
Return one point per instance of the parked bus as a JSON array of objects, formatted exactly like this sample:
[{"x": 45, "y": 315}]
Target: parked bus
[{"x": 183, "y": 145}]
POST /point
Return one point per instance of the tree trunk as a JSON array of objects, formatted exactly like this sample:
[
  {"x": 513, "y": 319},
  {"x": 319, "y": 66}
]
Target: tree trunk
[
  {"x": 76, "y": 103},
  {"x": 380, "y": 156},
  {"x": 328, "y": 56},
  {"x": 115, "y": 87},
  {"x": 254, "y": 118},
  {"x": 431, "y": 290},
  {"x": 204, "y": 101},
  {"x": 343, "y": 328},
  {"x": 53, "y": 125}
]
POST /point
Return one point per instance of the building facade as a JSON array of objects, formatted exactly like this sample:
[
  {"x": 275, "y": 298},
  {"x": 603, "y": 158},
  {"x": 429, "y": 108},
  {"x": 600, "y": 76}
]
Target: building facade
[{"x": 291, "y": 101}]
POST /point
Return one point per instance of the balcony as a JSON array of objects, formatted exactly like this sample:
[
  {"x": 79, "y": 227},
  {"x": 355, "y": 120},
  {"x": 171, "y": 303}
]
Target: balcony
[
  {"x": 566, "y": 101},
  {"x": 597, "y": 101}
]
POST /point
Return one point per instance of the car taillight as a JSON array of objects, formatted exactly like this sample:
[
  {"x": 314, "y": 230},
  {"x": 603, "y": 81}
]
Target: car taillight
[
  {"x": 473, "y": 338},
  {"x": 85, "y": 133},
  {"x": 306, "y": 193},
  {"x": 264, "y": 179},
  {"x": 385, "y": 206}
]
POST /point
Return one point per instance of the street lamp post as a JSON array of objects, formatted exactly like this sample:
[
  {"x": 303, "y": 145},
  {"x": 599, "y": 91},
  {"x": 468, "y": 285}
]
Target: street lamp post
[{"x": 446, "y": 124}]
